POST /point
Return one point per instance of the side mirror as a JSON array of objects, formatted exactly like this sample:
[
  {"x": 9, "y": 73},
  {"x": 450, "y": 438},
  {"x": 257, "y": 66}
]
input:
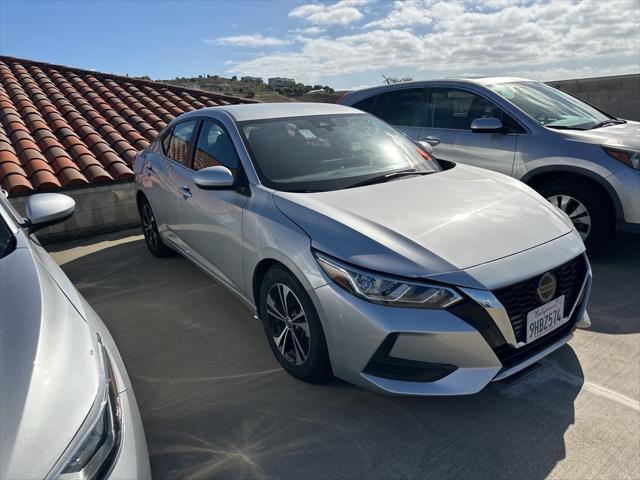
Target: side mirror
[
  {"x": 426, "y": 146},
  {"x": 486, "y": 125},
  {"x": 44, "y": 209},
  {"x": 214, "y": 177}
]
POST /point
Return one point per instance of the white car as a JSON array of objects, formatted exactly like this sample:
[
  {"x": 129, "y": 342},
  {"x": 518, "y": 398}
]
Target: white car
[{"x": 67, "y": 410}]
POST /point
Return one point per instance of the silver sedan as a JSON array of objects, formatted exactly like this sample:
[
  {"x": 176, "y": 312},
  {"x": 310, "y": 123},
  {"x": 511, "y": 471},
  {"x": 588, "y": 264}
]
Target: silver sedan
[
  {"x": 363, "y": 256},
  {"x": 67, "y": 410}
]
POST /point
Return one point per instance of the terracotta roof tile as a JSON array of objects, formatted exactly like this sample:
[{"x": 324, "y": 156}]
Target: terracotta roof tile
[
  {"x": 44, "y": 180},
  {"x": 17, "y": 183},
  {"x": 62, "y": 126}
]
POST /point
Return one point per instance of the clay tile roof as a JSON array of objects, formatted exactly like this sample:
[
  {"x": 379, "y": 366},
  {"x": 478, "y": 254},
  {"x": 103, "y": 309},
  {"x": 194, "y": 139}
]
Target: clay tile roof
[{"x": 63, "y": 127}]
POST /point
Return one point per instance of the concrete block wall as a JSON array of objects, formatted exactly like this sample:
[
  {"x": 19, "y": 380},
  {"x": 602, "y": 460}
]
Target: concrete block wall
[
  {"x": 99, "y": 209},
  {"x": 617, "y": 95}
]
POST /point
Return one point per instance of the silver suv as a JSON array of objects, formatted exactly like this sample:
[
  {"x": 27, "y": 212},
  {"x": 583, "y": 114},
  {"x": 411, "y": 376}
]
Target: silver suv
[{"x": 581, "y": 159}]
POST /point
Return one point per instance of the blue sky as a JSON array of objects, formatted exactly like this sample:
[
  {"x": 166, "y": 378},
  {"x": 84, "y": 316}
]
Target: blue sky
[{"x": 343, "y": 43}]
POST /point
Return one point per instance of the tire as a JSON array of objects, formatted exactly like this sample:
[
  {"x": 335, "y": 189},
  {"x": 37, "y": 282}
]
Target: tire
[
  {"x": 150, "y": 230},
  {"x": 299, "y": 345},
  {"x": 582, "y": 203}
]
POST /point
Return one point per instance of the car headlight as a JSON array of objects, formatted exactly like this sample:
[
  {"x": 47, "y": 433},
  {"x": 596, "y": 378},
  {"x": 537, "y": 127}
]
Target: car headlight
[
  {"x": 628, "y": 157},
  {"x": 385, "y": 290},
  {"x": 91, "y": 453}
]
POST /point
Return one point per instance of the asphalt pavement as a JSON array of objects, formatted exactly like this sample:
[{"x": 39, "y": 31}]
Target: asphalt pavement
[{"x": 216, "y": 404}]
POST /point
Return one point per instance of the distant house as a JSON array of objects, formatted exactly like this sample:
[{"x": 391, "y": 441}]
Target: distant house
[
  {"x": 279, "y": 82},
  {"x": 251, "y": 79},
  {"x": 63, "y": 127}
]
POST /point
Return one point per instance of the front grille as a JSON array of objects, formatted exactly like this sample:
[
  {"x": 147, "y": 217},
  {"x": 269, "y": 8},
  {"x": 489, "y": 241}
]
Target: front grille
[
  {"x": 520, "y": 298},
  {"x": 510, "y": 356}
]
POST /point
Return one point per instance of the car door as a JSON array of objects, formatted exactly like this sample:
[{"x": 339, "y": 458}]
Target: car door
[
  {"x": 211, "y": 220},
  {"x": 161, "y": 177},
  {"x": 447, "y": 128},
  {"x": 404, "y": 108}
]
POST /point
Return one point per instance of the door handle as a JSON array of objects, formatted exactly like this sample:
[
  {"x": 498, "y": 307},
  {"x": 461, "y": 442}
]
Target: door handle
[
  {"x": 431, "y": 140},
  {"x": 186, "y": 192}
]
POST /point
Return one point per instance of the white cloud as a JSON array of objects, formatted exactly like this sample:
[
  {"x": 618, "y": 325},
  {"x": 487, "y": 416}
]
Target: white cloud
[
  {"x": 343, "y": 12},
  {"x": 535, "y": 35},
  {"x": 403, "y": 14},
  {"x": 255, "y": 40},
  {"x": 308, "y": 31}
]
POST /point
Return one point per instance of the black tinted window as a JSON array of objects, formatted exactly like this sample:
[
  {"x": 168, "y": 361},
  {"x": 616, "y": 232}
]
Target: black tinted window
[
  {"x": 453, "y": 108},
  {"x": 7, "y": 242},
  {"x": 407, "y": 107},
  {"x": 366, "y": 105},
  {"x": 178, "y": 148},
  {"x": 214, "y": 147}
]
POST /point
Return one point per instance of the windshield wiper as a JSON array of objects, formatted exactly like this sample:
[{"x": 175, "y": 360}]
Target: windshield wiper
[
  {"x": 563, "y": 127},
  {"x": 386, "y": 177},
  {"x": 608, "y": 121}
]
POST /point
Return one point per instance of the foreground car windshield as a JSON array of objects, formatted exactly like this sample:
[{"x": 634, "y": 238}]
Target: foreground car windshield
[
  {"x": 551, "y": 107},
  {"x": 329, "y": 152}
]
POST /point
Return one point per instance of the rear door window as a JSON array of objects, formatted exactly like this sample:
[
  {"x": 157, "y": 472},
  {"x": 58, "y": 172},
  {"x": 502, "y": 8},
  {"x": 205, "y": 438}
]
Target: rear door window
[
  {"x": 180, "y": 142},
  {"x": 367, "y": 104},
  {"x": 407, "y": 107}
]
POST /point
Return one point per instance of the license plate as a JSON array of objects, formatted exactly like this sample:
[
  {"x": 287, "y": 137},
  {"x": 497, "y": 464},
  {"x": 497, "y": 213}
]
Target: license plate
[{"x": 545, "y": 319}]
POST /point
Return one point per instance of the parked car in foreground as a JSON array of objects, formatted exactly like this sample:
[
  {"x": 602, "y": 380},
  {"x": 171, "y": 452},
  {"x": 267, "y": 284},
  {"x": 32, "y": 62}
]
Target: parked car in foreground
[
  {"x": 67, "y": 410},
  {"x": 362, "y": 255},
  {"x": 582, "y": 160}
]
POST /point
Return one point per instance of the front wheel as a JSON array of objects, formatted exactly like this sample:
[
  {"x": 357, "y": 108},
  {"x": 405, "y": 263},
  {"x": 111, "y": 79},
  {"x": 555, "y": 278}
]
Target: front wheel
[
  {"x": 292, "y": 327},
  {"x": 586, "y": 208}
]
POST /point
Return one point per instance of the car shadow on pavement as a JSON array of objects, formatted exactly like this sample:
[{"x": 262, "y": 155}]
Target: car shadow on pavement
[
  {"x": 215, "y": 404},
  {"x": 614, "y": 306}
]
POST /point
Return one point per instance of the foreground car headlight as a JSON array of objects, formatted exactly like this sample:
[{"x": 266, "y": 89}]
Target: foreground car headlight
[
  {"x": 628, "y": 157},
  {"x": 389, "y": 291},
  {"x": 91, "y": 453}
]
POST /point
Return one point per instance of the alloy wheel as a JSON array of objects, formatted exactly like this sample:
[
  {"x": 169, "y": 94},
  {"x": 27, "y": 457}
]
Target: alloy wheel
[
  {"x": 288, "y": 324},
  {"x": 149, "y": 227},
  {"x": 576, "y": 211}
]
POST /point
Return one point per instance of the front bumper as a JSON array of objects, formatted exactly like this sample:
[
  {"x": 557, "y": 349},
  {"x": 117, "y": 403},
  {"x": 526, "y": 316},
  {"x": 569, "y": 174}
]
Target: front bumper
[
  {"x": 132, "y": 460},
  {"x": 626, "y": 183},
  {"x": 451, "y": 352}
]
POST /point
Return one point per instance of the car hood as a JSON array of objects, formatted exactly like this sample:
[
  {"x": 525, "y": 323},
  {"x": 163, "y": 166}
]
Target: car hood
[
  {"x": 432, "y": 224},
  {"x": 48, "y": 368},
  {"x": 624, "y": 135}
]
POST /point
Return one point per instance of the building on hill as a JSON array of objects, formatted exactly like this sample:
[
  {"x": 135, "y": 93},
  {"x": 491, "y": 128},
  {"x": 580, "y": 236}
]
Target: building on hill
[
  {"x": 251, "y": 79},
  {"x": 63, "y": 127},
  {"x": 280, "y": 82}
]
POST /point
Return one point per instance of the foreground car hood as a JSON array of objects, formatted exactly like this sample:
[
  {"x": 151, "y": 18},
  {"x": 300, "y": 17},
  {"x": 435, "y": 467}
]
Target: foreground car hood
[
  {"x": 419, "y": 226},
  {"x": 48, "y": 373},
  {"x": 625, "y": 135}
]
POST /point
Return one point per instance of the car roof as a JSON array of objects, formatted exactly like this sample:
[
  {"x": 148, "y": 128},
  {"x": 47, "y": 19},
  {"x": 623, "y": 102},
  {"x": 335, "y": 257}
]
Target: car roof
[
  {"x": 261, "y": 111},
  {"x": 443, "y": 81}
]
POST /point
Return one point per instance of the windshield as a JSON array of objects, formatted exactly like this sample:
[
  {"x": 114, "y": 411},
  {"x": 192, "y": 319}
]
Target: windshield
[
  {"x": 551, "y": 107},
  {"x": 329, "y": 152}
]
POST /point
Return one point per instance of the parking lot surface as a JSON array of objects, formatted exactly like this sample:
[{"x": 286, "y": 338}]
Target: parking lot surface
[{"x": 216, "y": 404}]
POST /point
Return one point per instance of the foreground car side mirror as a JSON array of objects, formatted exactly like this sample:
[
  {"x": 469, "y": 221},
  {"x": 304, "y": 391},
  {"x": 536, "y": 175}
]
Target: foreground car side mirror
[
  {"x": 44, "y": 209},
  {"x": 214, "y": 177},
  {"x": 486, "y": 125}
]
